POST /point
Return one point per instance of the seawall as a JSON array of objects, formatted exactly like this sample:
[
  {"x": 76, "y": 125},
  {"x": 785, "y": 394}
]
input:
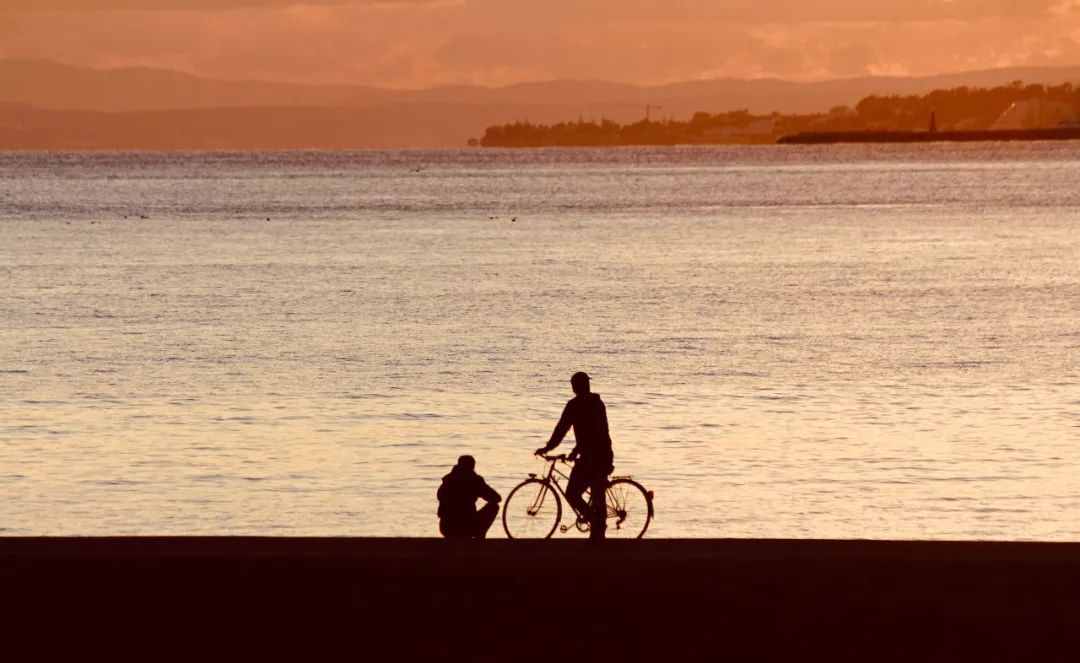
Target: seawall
[
  {"x": 658, "y": 600},
  {"x": 829, "y": 137}
]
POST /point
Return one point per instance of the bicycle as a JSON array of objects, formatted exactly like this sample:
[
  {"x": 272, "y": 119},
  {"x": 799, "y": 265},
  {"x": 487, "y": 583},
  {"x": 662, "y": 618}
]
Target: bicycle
[{"x": 537, "y": 511}]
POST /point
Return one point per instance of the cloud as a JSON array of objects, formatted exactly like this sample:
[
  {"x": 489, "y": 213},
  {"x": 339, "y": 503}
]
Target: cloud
[
  {"x": 420, "y": 43},
  {"x": 60, "y": 6},
  {"x": 599, "y": 12},
  {"x": 737, "y": 11}
]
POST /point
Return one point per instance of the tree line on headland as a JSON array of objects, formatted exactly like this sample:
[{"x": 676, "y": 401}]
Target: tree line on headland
[{"x": 956, "y": 109}]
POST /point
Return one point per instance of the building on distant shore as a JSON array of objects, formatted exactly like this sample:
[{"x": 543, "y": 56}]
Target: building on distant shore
[
  {"x": 758, "y": 127},
  {"x": 1037, "y": 114}
]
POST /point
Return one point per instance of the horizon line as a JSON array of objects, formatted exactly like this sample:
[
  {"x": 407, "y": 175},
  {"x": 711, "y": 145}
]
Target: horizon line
[{"x": 545, "y": 81}]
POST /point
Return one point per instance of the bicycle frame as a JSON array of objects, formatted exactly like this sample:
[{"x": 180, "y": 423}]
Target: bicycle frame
[{"x": 551, "y": 479}]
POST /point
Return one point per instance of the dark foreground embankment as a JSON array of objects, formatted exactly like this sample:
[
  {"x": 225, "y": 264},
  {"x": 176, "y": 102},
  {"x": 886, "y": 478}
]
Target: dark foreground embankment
[{"x": 421, "y": 599}]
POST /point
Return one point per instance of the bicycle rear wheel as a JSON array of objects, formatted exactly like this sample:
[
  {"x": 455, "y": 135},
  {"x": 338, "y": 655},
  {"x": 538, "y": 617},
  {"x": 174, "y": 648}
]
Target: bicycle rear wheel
[
  {"x": 629, "y": 509},
  {"x": 532, "y": 511}
]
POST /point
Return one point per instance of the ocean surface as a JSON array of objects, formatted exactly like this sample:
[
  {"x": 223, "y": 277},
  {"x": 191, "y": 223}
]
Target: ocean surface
[{"x": 847, "y": 341}]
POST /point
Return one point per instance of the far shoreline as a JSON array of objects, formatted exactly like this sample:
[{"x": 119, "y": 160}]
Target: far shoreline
[{"x": 899, "y": 138}]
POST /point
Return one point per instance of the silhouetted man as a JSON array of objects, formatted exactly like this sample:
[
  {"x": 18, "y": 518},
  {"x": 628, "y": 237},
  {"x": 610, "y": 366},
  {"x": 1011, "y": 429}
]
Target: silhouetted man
[
  {"x": 458, "y": 516},
  {"x": 585, "y": 412}
]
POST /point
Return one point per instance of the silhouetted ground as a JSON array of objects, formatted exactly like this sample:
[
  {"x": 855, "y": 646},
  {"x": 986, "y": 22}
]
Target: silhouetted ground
[{"x": 659, "y": 600}]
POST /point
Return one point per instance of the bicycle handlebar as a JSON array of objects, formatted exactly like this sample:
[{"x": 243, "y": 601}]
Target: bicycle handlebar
[{"x": 559, "y": 457}]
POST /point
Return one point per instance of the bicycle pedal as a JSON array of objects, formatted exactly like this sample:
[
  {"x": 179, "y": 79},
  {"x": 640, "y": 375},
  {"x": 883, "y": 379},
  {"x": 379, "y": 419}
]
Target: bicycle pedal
[{"x": 563, "y": 529}]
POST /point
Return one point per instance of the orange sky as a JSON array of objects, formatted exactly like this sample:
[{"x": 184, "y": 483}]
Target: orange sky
[{"x": 420, "y": 43}]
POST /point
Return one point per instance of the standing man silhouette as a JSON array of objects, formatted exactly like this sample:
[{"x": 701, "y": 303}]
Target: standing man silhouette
[{"x": 585, "y": 412}]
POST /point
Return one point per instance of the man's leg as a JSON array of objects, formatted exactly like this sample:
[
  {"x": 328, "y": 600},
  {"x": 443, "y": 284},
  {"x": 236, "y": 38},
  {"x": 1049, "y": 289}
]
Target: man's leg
[
  {"x": 598, "y": 513},
  {"x": 579, "y": 481},
  {"x": 450, "y": 529},
  {"x": 484, "y": 518}
]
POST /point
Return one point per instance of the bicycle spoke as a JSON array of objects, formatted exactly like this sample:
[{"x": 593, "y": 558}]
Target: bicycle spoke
[
  {"x": 628, "y": 508},
  {"x": 615, "y": 501}
]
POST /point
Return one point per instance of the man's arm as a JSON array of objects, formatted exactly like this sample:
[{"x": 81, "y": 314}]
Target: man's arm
[
  {"x": 561, "y": 429},
  {"x": 439, "y": 495},
  {"x": 488, "y": 494}
]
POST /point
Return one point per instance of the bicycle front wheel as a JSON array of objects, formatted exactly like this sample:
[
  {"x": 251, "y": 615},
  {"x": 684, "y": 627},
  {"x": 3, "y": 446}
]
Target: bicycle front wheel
[
  {"x": 532, "y": 511},
  {"x": 629, "y": 509}
]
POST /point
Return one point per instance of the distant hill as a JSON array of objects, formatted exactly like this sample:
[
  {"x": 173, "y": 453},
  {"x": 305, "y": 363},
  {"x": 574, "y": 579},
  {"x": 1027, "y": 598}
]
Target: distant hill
[
  {"x": 76, "y": 107},
  {"x": 62, "y": 87},
  {"x": 269, "y": 128}
]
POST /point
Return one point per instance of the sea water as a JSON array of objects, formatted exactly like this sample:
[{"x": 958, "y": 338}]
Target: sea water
[{"x": 852, "y": 342}]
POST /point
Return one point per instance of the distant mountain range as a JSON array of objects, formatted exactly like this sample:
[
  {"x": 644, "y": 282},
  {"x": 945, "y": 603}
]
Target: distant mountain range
[{"x": 48, "y": 105}]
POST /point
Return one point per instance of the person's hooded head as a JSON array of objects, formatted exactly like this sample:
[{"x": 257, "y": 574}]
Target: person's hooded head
[
  {"x": 579, "y": 382},
  {"x": 465, "y": 464}
]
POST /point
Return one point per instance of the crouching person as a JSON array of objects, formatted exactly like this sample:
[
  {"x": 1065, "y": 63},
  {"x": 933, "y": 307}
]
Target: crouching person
[{"x": 458, "y": 515}]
